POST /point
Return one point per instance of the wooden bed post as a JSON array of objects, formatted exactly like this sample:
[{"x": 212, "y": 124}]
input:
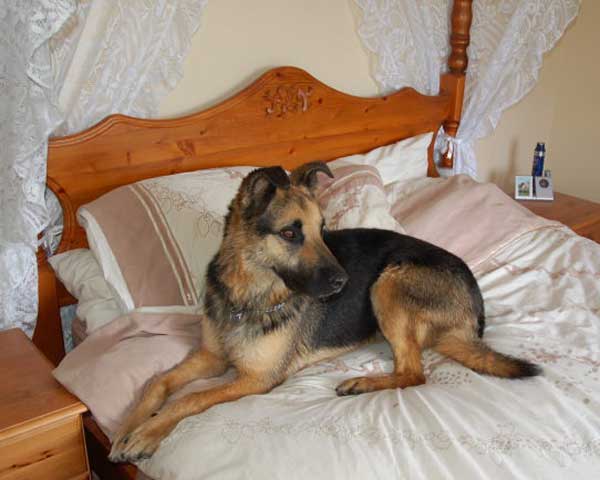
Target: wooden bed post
[
  {"x": 48, "y": 335},
  {"x": 453, "y": 83}
]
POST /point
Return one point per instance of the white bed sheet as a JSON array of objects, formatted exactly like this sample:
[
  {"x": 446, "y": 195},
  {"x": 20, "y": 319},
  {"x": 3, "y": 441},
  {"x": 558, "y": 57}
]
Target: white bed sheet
[{"x": 542, "y": 294}]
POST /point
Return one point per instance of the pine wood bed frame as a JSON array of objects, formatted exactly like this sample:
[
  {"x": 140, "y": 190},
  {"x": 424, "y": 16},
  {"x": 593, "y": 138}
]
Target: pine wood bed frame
[{"x": 285, "y": 117}]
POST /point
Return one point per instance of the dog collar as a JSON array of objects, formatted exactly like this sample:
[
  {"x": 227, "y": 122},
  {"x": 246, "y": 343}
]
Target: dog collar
[{"x": 237, "y": 314}]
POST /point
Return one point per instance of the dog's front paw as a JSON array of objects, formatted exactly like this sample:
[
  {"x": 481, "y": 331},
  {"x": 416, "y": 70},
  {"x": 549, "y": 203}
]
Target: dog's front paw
[
  {"x": 119, "y": 441},
  {"x": 141, "y": 443},
  {"x": 116, "y": 450}
]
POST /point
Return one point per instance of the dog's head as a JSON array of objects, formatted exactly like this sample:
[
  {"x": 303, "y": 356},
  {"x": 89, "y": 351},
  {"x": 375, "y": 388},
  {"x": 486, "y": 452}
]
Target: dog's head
[{"x": 276, "y": 221}]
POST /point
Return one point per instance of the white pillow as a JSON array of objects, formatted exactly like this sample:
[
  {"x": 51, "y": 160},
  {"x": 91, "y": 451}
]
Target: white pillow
[
  {"x": 80, "y": 273},
  {"x": 400, "y": 161}
]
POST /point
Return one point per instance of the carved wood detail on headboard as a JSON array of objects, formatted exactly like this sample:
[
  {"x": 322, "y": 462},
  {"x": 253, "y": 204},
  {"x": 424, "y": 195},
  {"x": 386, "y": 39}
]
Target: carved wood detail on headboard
[{"x": 286, "y": 99}]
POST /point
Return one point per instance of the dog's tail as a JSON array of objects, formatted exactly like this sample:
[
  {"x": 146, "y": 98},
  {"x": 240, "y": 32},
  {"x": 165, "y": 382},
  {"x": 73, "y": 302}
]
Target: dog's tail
[{"x": 477, "y": 356}]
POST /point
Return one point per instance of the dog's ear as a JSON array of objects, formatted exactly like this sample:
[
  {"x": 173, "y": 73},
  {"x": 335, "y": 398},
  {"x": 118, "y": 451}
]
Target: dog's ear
[
  {"x": 258, "y": 189},
  {"x": 306, "y": 175}
]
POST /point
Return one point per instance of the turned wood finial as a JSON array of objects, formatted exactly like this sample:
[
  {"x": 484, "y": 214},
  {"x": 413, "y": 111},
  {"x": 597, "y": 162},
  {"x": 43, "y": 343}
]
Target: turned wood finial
[{"x": 462, "y": 15}]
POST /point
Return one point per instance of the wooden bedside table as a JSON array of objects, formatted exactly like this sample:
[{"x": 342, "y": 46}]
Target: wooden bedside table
[
  {"x": 582, "y": 216},
  {"x": 41, "y": 432}
]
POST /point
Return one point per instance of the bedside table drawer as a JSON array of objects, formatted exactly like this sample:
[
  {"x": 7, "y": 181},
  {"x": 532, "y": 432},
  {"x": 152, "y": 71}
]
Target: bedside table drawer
[{"x": 50, "y": 452}]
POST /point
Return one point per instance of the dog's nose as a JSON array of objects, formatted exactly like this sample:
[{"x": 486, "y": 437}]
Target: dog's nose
[{"x": 338, "y": 281}]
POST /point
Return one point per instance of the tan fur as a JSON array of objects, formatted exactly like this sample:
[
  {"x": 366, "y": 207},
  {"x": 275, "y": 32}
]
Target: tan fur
[
  {"x": 295, "y": 204},
  {"x": 200, "y": 364},
  {"x": 261, "y": 365},
  {"x": 147, "y": 436},
  {"x": 400, "y": 329},
  {"x": 267, "y": 355},
  {"x": 450, "y": 331},
  {"x": 239, "y": 263},
  {"x": 409, "y": 329},
  {"x": 473, "y": 353}
]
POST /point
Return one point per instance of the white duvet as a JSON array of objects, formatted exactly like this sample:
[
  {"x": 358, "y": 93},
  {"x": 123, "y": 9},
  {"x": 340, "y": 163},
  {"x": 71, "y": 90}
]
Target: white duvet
[{"x": 542, "y": 294}]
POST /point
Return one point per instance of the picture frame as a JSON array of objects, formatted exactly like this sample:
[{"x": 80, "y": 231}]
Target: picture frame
[
  {"x": 543, "y": 188},
  {"x": 524, "y": 187}
]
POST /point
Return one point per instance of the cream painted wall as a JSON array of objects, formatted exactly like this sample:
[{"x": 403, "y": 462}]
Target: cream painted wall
[
  {"x": 241, "y": 39},
  {"x": 561, "y": 110}
]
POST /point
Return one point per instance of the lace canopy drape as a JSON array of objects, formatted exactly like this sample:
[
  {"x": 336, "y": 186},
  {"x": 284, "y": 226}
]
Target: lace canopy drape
[
  {"x": 409, "y": 43},
  {"x": 64, "y": 65}
]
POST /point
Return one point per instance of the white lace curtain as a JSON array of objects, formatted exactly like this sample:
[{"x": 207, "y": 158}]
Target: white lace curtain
[
  {"x": 409, "y": 43},
  {"x": 64, "y": 65}
]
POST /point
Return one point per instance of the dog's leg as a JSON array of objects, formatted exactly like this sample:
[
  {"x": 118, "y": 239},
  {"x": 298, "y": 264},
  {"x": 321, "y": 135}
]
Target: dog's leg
[
  {"x": 408, "y": 370},
  {"x": 144, "y": 440},
  {"x": 200, "y": 364},
  {"x": 401, "y": 331}
]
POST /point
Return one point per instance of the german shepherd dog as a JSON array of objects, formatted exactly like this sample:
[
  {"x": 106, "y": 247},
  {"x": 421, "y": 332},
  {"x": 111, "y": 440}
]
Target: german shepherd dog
[{"x": 283, "y": 292}]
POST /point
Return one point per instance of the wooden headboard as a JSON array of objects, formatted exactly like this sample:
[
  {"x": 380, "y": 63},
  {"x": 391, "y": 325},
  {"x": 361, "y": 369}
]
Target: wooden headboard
[{"x": 286, "y": 117}]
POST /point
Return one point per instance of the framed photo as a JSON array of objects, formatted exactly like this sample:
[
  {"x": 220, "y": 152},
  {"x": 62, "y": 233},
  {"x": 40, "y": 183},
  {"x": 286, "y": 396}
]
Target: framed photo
[
  {"x": 543, "y": 188},
  {"x": 524, "y": 187}
]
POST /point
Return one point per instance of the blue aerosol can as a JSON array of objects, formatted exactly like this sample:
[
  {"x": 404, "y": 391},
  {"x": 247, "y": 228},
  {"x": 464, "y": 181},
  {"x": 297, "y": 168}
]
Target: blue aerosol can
[{"x": 539, "y": 156}]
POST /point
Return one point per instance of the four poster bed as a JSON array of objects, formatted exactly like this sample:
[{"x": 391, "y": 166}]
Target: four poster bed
[{"x": 287, "y": 117}]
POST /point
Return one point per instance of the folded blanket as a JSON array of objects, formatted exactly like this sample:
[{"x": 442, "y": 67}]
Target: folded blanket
[{"x": 108, "y": 370}]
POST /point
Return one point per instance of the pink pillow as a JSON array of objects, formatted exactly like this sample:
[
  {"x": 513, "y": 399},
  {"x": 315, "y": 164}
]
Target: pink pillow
[
  {"x": 354, "y": 198},
  {"x": 180, "y": 219},
  {"x": 470, "y": 219}
]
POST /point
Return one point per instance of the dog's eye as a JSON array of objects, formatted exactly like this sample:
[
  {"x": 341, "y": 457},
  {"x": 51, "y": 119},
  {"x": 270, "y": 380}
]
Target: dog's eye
[{"x": 288, "y": 234}]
